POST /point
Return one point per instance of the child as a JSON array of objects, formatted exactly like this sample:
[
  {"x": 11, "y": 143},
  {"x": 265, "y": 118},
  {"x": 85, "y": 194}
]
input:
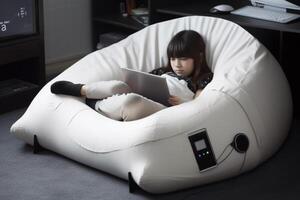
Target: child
[{"x": 187, "y": 74}]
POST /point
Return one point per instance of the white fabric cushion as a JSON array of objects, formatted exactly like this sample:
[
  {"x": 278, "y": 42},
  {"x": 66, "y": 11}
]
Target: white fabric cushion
[{"x": 249, "y": 94}]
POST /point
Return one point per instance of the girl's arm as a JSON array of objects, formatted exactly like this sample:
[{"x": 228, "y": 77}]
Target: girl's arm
[
  {"x": 174, "y": 100},
  {"x": 197, "y": 93}
]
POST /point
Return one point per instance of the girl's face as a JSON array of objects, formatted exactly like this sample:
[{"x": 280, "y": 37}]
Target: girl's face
[{"x": 182, "y": 66}]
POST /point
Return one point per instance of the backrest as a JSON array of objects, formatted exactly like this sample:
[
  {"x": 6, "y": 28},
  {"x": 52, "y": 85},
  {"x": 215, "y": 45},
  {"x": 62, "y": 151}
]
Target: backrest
[{"x": 146, "y": 49}]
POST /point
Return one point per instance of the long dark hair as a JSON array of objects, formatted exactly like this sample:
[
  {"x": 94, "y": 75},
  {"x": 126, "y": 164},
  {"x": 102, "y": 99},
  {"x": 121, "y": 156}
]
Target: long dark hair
[{"x": 190, "y": 44}]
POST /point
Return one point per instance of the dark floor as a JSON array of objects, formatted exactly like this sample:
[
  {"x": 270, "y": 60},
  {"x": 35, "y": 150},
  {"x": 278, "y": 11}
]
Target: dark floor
[{"x": 49, "y": 176}]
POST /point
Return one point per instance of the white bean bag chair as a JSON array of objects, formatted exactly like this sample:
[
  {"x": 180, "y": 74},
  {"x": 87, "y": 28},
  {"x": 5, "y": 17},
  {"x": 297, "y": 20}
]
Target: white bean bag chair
[{"x": 181, "y": 146}]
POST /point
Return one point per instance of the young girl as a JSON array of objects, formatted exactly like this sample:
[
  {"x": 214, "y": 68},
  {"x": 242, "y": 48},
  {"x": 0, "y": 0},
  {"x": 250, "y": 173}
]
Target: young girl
[{"x": 187, "y": 74}]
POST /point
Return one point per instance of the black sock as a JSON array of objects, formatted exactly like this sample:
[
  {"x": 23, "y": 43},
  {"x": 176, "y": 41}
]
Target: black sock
[{"x": 67, "y": 88}]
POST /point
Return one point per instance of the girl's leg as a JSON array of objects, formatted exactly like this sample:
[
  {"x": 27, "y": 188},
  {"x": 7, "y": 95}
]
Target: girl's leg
[
  {"x": 127, "y": 107},
  {"x": 97, "y": 90},
  {"x": 104, "y": 89},
  {"x": 137, "y": 107}
]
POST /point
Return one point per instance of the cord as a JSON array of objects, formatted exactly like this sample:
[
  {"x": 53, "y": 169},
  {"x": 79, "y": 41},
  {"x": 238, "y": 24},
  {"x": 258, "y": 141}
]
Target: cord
[
  {"x": 225, "y": 157},
  {"x": 223, "y": 152},
  {"x": 218, "y": 163},
  {"x": 243, "y": 162}
]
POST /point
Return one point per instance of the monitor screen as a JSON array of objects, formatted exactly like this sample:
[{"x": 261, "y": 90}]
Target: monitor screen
[
  {"x": 17, "y": 18},
  {"x": 296, "y": 2},
  {"x": 289, "y": 4}
]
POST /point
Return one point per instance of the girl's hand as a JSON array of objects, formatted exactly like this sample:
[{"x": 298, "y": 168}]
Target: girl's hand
[{"x": 174, "y": 100}]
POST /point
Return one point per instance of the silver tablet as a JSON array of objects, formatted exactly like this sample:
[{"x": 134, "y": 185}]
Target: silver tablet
[{"x": 148, "y": 85}]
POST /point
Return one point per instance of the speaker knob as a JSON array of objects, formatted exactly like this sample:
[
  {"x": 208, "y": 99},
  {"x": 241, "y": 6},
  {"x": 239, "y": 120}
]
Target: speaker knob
[{"x": 240, "y": 143}]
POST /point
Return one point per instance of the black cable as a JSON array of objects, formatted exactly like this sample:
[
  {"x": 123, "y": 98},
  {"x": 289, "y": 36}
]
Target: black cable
[
  {"x": 223, "y": 152},
  {"x": 243, "y": 162},
  {"x": 225, "y": 157}
]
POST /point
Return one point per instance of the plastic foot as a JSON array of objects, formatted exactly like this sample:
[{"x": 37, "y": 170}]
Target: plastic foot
[
  {"x": 132, "y": 184},
  {"x": 36, "y": 146}
]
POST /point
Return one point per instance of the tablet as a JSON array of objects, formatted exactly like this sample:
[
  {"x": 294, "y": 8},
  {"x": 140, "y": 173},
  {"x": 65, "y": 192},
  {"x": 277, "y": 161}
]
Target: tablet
[{"x": 148, "y": 85}]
